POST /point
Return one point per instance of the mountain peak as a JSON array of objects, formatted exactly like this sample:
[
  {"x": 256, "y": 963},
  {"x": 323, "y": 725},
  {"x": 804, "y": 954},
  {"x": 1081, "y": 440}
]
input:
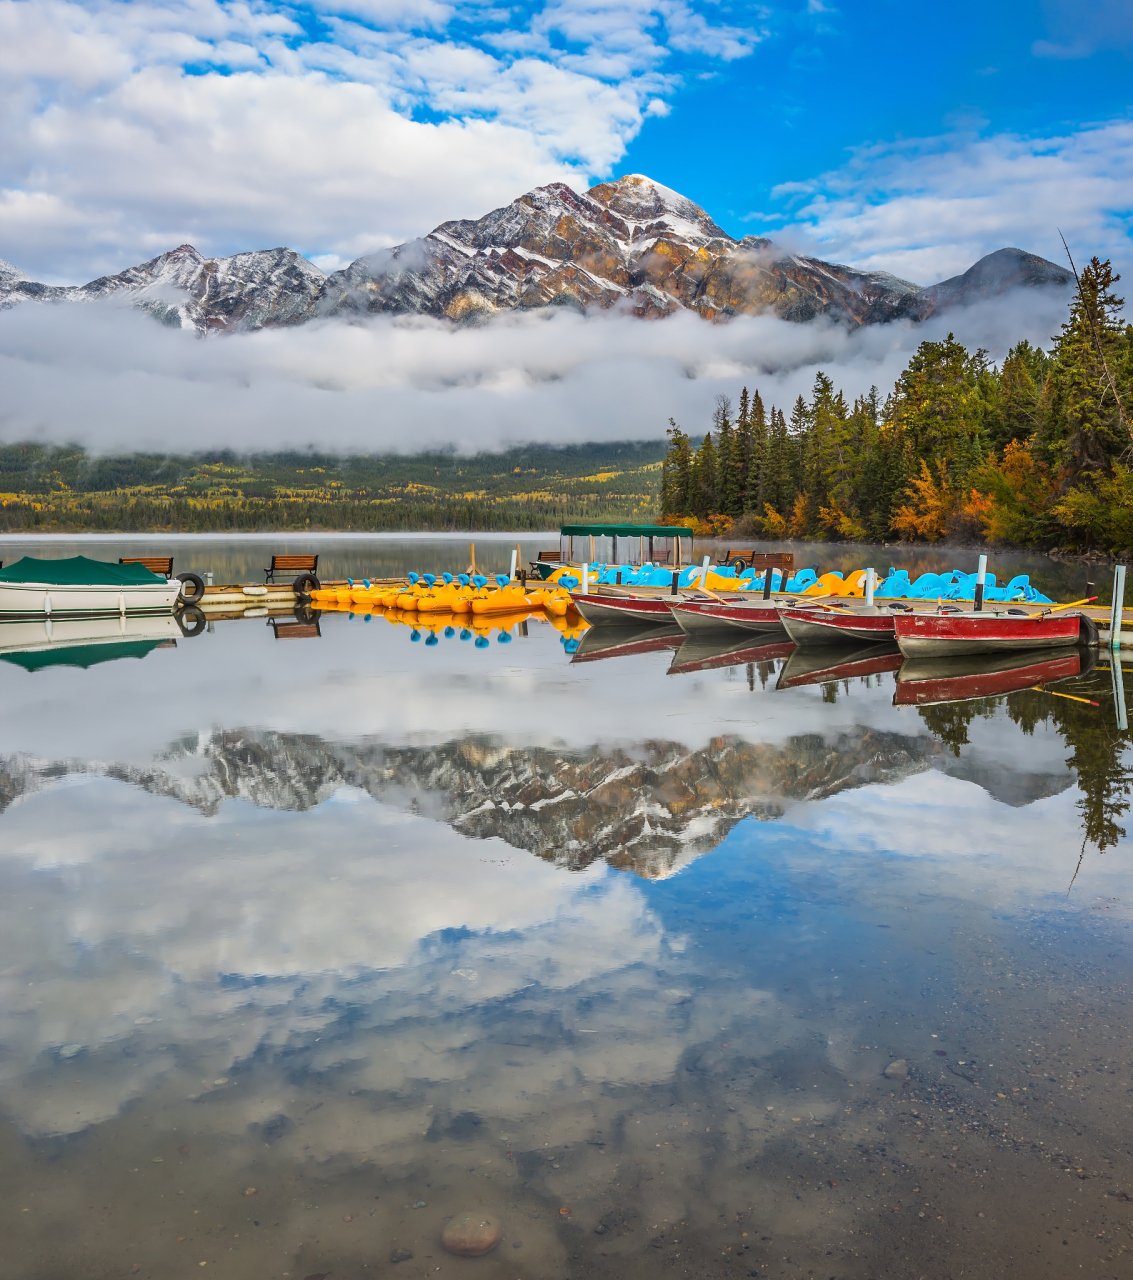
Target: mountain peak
[{"x": 638, "y": 199}]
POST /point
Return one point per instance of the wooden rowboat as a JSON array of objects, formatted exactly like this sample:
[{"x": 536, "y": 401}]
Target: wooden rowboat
[
  {"x": 621, "y": 610},
  {"x": 820, "y": 625},
  {"x": 700, "y": 616},
  {"x": 942, "y": 634},
  {"x": 624, "y": 642},
  {"x": 813, "y": 664}
]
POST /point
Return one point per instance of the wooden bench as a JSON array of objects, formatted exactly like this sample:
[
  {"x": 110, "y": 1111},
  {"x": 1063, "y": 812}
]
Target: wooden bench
[
  {"x": 305, "y": 566},
  {"x": 155, "y": 564},
  {"x": 765, "y": 560},
  {"x": 548, "y": 557},
  {"x": 295, "y": 629}
]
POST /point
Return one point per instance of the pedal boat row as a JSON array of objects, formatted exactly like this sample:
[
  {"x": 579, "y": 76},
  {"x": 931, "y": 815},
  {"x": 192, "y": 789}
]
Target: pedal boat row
[{"x": 947, "y": 629}]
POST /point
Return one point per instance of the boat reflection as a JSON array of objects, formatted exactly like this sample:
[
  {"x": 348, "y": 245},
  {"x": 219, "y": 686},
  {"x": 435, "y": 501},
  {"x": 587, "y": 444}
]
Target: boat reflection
[
  {"x": 924, "y": 682},
  {"x": 821, "y": 664},
  {"x": 710, "y": 652},
  {"x": 84, "y": 642},
  {"x": 625, "y": 641}
]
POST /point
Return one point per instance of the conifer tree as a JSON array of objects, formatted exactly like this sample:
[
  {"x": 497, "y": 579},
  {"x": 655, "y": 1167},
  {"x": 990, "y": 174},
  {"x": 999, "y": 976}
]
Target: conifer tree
[
  {"x": 728, "y": 489},
  {"x": 702, "y": 488},
  {"x": 757, "y": 454},
  {"x": 676, "y": 473}
]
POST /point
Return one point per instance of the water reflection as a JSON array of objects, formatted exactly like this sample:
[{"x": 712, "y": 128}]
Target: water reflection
[{"x": 305, "y": 948}]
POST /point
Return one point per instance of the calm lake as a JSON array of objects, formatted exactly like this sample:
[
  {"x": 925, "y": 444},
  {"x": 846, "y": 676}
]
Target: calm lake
[{"x": 666, "y": 960}]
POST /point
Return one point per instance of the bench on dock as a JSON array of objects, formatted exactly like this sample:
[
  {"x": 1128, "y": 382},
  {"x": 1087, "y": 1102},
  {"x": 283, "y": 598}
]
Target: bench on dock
[
  {"x": 305, "y": 566},
  {"x": 740, "y": 560},
  {"x": 547, "y": 557},
  {"x": 155, "y": 564}
]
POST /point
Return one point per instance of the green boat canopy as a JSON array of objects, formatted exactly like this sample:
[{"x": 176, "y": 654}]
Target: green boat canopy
[
  {"x": 81, "y": 655},
  {"x": 624, "y": 531},
  {"x": 78, "y": 571}
]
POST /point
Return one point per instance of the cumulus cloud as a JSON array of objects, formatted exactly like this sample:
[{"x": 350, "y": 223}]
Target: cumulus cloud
[
  {"x": 111, "y": 378},
  {"x": 134, "y": 127},
  {"x": 927, "y": 208}
]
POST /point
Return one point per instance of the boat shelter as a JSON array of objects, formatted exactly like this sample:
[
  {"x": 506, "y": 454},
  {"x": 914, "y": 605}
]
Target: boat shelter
[{"x": 625, "y": 544}]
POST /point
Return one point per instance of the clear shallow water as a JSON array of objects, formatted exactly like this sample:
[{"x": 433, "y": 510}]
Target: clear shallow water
[{"x": 388, "y": 931}]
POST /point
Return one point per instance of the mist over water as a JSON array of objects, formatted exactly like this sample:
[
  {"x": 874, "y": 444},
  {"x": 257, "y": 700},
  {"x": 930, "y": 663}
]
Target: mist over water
[{"x": 111, "y": 378}]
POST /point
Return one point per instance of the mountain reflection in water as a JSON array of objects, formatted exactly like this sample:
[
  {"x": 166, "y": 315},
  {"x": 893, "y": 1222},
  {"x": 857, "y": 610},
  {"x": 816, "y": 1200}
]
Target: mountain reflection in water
[{"x": 387, "y": 934}]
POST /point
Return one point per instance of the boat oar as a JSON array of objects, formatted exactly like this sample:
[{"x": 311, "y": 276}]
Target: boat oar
[
  {"x": 1038, "y": 688},
  {"x": 1071, "y": 605}
]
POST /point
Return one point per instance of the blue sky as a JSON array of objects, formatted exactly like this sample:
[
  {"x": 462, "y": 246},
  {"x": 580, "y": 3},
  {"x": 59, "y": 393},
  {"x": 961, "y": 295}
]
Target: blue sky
[{"x": 909, "y": 137}]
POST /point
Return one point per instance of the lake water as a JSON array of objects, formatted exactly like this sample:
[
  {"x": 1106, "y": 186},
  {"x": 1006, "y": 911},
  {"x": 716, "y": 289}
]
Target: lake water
[{"x": 307, "y": 946}]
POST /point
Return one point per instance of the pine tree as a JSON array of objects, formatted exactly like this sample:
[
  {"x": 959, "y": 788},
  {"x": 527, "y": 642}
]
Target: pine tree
[
  {"x": 676, "y": 473},
  {"x": 1085, "y": 429},
  {"x": 728, "y": 489},
  {"x": 703, "y": 499},
  {"x": 756, "y": 455}
]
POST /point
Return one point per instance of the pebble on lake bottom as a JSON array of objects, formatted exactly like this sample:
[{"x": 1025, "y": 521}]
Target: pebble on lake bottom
[
  {"x": 470, "y": 1235},
  {"x": 897, "y": 1070},
  {"x": 400, "y": 1255}
]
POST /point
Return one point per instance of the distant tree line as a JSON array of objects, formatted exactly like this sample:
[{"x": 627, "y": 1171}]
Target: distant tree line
[{"x": 1035, "y": 452}]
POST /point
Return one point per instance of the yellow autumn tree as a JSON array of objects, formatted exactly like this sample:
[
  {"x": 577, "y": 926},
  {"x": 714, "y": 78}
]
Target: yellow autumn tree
[{"x": 931, "y": 500}]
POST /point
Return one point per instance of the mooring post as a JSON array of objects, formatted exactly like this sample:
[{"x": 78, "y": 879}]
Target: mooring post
[
  {"x": 870, "y": 583},
  {"x": 676, "y": 579},
  {"x": 981, "y": 577},
  {"x": 511, "y": 567},
  {"x": 704, "y": 575},
  {"x": 1118, "y": 690},
  {"x": 586, "y": 579},
  {"x": 1118, "y": 607}
]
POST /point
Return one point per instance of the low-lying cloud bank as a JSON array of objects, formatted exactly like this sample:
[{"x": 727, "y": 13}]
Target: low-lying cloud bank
[{"x": 110, "y": 378}]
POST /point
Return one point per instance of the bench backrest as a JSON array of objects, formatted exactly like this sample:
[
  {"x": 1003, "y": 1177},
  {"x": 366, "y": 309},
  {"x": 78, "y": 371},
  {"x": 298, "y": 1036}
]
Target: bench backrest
[
  {"x": 764, "y": 559},
  {"x": 296, "y": 630},
  {"x": 295, "y": 564},
  {"x": 548, "y": 557},
  {"x": 155, "y": 564}
]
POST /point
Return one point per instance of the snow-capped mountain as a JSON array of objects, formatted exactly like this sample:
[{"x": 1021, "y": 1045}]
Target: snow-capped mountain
[{"x": 631, "y": 243}]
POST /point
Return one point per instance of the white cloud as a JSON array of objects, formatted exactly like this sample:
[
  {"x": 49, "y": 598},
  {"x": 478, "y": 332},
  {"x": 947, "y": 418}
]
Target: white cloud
[
  {"x": 133, "y": 127},
  {"x": 928, "y": 208},
  {"x": 112, "y": 378}
]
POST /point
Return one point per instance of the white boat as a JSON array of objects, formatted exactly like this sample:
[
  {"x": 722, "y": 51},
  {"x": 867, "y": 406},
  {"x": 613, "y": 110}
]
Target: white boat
[{"x": 78, "y": 587}]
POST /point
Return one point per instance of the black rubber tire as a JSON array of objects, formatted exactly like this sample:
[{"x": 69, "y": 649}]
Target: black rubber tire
[
  {"x": 192, "y": 621},
  {"x": 196, "y": 585},
  {"x": 305, "y": 583},
  {"x": 738, "y": 563}
]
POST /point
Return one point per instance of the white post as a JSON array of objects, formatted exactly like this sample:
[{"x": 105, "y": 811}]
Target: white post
[
  {"x": 870, "y": 582},
  {"x": 1118, "y": 690},
  {"x": 511, "y": 569},
  {"x": 1118, "y": 607},
  {"x": 585, "y": 579},
  {"x": 704, "y": 575},
  {"x": 981, "y": 578}
]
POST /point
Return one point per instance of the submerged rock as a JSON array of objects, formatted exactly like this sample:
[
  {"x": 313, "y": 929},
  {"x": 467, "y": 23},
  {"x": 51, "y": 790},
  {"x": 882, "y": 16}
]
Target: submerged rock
[
  {"x": 897, "y": 1070},
  {"x": 470, "y": 1235}
]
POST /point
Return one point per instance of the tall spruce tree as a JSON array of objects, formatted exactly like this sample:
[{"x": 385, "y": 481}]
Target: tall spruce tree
[
  {"x": 757, "y": 454},
  {"x": 729, "y": 497},
  {"x": 703, "y": 499},
  {"x": 676, "y": 473}
]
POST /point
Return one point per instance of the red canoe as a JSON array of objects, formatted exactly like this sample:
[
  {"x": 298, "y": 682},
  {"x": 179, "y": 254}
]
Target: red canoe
[
  {"x": 623, "y": 610},
  {"x": 941, "y": 634},
  {"x": 819, "y": 625},
  {"x": 697, "y": 616}
]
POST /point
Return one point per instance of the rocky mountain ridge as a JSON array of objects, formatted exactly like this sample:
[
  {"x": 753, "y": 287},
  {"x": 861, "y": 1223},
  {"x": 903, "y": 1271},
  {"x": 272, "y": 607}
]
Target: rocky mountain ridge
[
  {"x": 649, "y": 809},
  {"x": 631, "y": 244}
]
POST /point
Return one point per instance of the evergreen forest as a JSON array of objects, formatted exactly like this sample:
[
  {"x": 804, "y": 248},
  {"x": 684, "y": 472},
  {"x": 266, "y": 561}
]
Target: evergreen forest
[{"x": 1033, "y": 453}]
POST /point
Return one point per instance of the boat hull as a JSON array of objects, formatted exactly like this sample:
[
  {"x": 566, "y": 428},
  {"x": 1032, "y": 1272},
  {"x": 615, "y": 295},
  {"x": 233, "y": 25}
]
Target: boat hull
[
  {"x": 697, "y": 617},
  {"x": 52, "y": 600},
  {"x": 941, "y": 635},
  {"x": 725, "y": 649},
  {"x": 818, "y": 626},
  {"x": 622, "y": 611},
  {"x": 625, "y": 642}
]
